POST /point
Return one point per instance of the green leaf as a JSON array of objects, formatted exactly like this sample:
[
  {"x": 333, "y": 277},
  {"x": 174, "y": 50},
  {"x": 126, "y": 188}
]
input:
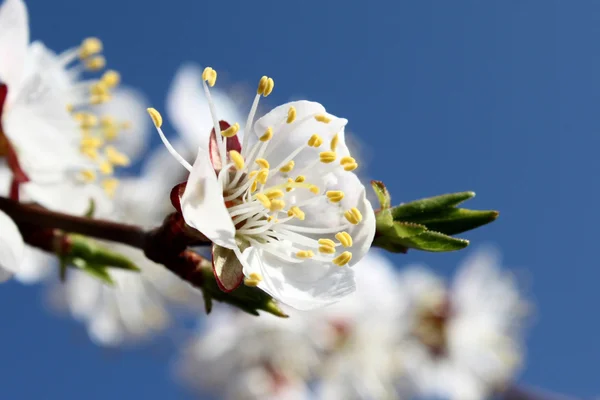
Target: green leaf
[
  {"x": 385, "y": 200},
  {"x": 90, "y": 251},
  {"x": 404, "y": 230},
  {"x": 455, "y": 220},
  {"x": 413, "y": 209},
  {"x": 99, "y": 272},
  {"x": 426, "y": 241}
]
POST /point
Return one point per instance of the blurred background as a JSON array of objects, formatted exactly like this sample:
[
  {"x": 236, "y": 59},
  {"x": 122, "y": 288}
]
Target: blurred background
[{"x": 498, "y": 97}]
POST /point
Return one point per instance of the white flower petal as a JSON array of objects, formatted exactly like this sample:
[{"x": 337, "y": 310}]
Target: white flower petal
[
  {"x": 129, "y": 105},
  {"x": 12, "y": 246},
  {"x": 14, "y": 39},
  {"x": 36, "y": 266},
  {"x": 303, "y": 286},
  {"x": 203, "y": 206}
]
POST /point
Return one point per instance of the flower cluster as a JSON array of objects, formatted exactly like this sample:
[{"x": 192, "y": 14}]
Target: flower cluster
[
  {"x": 277, "y": 199},
  {"x": 401, "y": 334}
]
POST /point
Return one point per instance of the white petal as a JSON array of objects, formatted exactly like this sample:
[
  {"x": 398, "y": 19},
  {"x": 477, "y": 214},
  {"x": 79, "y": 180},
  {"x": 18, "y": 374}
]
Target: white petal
[
  {"x": 12, "y": 246},
  {"x": 303, "y": 286},
  {"x": 36, "y": 266},
  {"x": 188, "y": 109},
  {"x": 203, "y": 206},
  {"x": 69, "y": 197},
  {"x": 289, "y": 137},
  {"x": 14, "y": 39},
  {"x": 129, "y": 105}
]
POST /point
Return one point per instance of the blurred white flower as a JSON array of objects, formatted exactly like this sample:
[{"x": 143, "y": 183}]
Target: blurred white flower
[
  {"x": 357, "y": 337},
  {"x": 461, "y": 342},
  {"x": 236, "y": 195},
  {"x": 135, "y": 308},
  {"x": 11, "y": 248},
  {"x": 51, "y": 134},
  {"x": 240, "y": 356}
]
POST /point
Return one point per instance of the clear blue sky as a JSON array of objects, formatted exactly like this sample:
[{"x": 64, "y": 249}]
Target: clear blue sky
[{"x": 499, "y": 97}]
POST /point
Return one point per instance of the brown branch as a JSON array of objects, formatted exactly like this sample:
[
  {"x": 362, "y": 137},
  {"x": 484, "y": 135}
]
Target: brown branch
[
  {"x": 34, "y": 215},
  {"x": 165, "y": 245}
]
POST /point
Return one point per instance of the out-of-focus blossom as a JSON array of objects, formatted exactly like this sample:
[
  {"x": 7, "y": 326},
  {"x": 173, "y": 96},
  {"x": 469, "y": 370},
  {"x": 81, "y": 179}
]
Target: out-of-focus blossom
[
  {"x": 244, "y": 357},
  {"x": 268, "y": 224},
  {"x": 136, "y": 307},
  {"x": 51, "y": 135},
  {"x": 357, "y": 337},
  {"x": 461, "y": 342},
  {"x": 11, "y": 248}
]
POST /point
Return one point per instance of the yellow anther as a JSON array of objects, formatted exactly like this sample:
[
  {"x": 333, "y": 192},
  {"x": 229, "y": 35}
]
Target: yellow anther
[
  {"x": 156, "y": 117},
  {"x": 269, "y": 87},
  {"x": 262, "y": 176},
  {"x": 253, "y": 174},
  {"x": 315, "y": 141},
  {"x": 342, "y": 259},
  {"x": 353, "y": 216},
  {"x": 111, "y": 78},
  {"x": 262, "y": 84},
  {"x": 326, "y": 242},
  {"x": 253, "y": 279},
  {"x": 314, "y": 189},
  {"x": 300, "y": 178},
  {"x": 70, "y": 108},
  {"x": 291, "y": 115},
  {"x": 344, "y": 238},
  {"x": 334, "y": 142},
  {"x": 350, "y": 167},
  {"x": 326, "y": 249},
  {"x": 95, "y": 63},
  {"x": 238, "y": 160},
  {"x": 253, "y": 187},
  {"x": 263, "y": 163},
  {"x": 289, "y": 187},
  {"x": 231, "y": 131},
  {"x": 335, "y": 196},
  {"x": 110, "y": 186},
  {"x": 287, "y": 167},
  {"x": 323, "y": 118},
  {"x": 115, "y": 157},
  {"x": 99, "y": 89},
  {"x": 295, "y": 211},
  {"x": 210, "y": 76},
  {"x": 106, "y": 168},
  {"x": 347, "y": 160},
  {"x": 327, "y": 157},
  {"x": 87, "y": 120},
  {"x": 110, "y": 132},
  {"x": 305, "y": 254},
  {"x": 91, "y": 142},
  {"x": 90, "y": 152},
  {"x": 270, "y": 218},
  {"x": 277, "y": 204},
  {"x": 88, "y": 175},
  {"x": 274, "y": 194},
  {"x": 89, "y": 47},
  {"x": 264, "y": 200},
  {"x": 100, "y": 99},
  {"x": 107, "y": 120},
  {"x": 267, "y": 135}
]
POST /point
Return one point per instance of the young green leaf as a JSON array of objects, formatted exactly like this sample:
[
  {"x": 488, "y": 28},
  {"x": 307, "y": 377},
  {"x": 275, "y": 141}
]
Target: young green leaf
[{"x": 416, "y": 208}]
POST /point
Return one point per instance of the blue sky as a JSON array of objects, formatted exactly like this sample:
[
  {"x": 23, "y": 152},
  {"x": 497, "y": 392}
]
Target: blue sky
[{"x": 499, "y": 97}]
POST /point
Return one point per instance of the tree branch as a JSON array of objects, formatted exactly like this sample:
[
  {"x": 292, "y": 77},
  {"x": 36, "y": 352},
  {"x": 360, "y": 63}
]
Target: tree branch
[{"x": 34, "y": 215}]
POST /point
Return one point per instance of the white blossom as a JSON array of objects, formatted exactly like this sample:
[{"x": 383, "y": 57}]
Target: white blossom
[
  {"x": 268, "y": 224},
  {"x": 463, "y": 341}
]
